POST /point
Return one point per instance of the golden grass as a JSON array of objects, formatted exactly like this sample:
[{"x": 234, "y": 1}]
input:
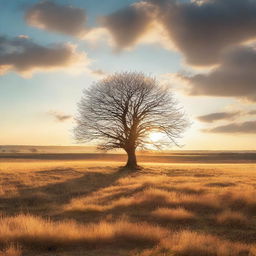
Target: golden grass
[
  {"x": 176, "y": 214},
  {"x": 74, "y": 208},
  {"x": 231, "y": 218},
  {"x": 11, "y": 250},
  {"x": 35, "y": 231},
  {"x": 151, "y": 196},
  {"x": 187, "y": 243},
  {"x": 241, "y": 198}
]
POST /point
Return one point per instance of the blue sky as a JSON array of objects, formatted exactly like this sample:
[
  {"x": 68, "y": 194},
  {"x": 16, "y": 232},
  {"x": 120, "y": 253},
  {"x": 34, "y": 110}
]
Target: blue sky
[{"x": 31, "y": 99}]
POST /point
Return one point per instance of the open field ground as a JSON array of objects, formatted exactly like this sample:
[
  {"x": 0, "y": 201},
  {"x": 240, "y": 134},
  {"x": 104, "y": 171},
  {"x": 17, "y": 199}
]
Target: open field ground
[
  {"x": 175, "y": 157},
  {"x": 71, "y": 207}
]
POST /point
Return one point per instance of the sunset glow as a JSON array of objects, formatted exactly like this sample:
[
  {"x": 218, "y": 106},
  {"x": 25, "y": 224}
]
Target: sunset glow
[{"x": 156, "y": 136}]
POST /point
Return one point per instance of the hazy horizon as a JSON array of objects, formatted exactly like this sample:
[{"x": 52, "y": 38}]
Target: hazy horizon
[{"x": 93, "y": 149}]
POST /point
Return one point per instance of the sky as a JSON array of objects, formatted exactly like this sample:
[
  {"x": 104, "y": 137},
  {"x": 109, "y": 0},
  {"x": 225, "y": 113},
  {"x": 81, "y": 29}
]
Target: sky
[{"x": 204, "y": 50}]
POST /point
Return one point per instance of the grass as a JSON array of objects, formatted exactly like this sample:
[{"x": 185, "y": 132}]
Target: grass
[
  {"x": 11, "y": 250},
  {"x": 232, "y": 218},
  {"x": 79, "y": 208},
  {"x": 188, "y": 243},
  {"x": 38, "y": 232},
  {"x": 176, "y": 214}
]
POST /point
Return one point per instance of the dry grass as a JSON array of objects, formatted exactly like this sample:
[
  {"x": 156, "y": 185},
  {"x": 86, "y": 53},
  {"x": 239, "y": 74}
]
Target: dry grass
[
  {"x": 243, "y": 197},
  {"x": 232, "y": 218},
  {"x": 152, "y": 197},
  {"x": 35, "y": 231},
  {"x": 11, "y": 250},
  {"x": 71, "y": 208},
  {"x": 176, "y": 214},
  {"x": 187, "y": 243}
]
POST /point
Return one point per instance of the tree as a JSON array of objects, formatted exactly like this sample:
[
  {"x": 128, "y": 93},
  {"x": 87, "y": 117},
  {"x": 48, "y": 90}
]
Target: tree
[{"x": 122, "y": 110}]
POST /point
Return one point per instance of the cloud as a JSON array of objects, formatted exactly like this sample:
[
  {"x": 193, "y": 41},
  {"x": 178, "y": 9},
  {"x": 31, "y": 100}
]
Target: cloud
[
  {"x": 60, "y": 117},
  {"x": 200, "y": 30},
  {"x": 98, "y": 35},
  {"x": 248, "y": 127},
  {"x": 26, "y": 57},
  {"x": 218, "y": 116},
  {"x": 234, "y": 77},
  {"x": 128, "y": 24},
  {"x": 51, "y": 16}
]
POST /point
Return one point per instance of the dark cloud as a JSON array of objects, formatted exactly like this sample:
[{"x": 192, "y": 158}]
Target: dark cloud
[
  {"x": 25, "y": 56},
  {"x": 218, "y": 116},
  {"x": 57, "y": 18},
  {"x": 128, "y": 24},
  {"x": 201, "y": 30},
  {"x": 235, "y": 77},
  {"x": 60, "y": 117},
  {"x": 248, "y": 127}
]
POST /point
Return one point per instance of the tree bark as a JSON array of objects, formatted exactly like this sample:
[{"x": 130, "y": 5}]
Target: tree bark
[{"x": 132, "y": 160}]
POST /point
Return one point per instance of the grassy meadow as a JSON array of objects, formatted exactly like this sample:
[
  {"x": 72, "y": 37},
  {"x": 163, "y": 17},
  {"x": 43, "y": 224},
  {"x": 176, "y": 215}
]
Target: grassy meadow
[{"x": 75, "y": 207}]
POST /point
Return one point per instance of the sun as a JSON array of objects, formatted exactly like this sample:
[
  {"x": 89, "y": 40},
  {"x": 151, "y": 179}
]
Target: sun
[{"x": 155, "y": 136}]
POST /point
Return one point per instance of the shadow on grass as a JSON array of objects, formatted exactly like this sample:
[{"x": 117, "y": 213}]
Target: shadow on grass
[{"x": 45, "y": 200}]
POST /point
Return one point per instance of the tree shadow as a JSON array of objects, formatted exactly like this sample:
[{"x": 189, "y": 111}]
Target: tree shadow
[{"x": 45, "y": 200}]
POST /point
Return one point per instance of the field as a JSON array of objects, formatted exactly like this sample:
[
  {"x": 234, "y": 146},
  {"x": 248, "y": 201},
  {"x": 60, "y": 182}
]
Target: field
[{"x": 62, "y": 206}]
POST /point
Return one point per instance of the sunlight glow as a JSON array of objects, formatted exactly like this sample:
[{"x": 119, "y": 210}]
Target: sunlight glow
[{"x": 155, "y": 136}]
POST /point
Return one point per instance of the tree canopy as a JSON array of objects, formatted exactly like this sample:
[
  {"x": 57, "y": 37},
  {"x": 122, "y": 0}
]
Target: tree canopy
[{"x": 122, "y": 110}]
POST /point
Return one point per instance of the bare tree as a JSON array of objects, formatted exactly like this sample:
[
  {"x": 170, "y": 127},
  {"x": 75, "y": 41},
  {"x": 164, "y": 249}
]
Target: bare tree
[{"x": 122, "y": 110}]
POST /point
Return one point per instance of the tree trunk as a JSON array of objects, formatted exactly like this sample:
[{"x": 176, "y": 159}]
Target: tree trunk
[{"x": 132, "y": 160}]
